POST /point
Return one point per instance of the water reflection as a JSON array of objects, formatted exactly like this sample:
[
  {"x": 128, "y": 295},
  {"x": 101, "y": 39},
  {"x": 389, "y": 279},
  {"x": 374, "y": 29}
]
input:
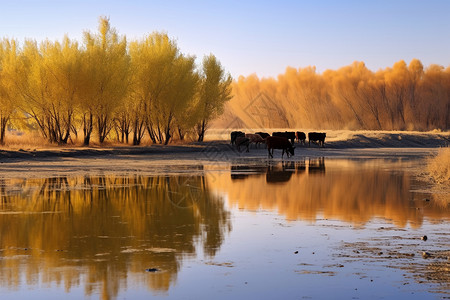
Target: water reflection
[
  {"x": 316, "y": 165},
  {"x": 346, "y": 190},
  {"x": 104, "y": 231},
  {"x": 280, "y": 172}
]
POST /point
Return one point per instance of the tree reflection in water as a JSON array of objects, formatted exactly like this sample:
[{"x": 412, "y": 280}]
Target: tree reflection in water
[
  {"x": 340, "y": 189},
  {"x": 100, "y": 231}
]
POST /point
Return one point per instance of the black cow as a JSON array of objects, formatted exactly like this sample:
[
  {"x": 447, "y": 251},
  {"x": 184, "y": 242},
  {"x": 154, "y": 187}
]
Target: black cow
[
  {"x": 263, "y": 134},
  {"x": 290, "y": 135},
  {"x": 301, "y": 137},
  {"x": 242, "y": 141},
  {"x": 276, "y": 142},
  {"x": 235, "y": 135},
  {"x": 317, "y": 137}
]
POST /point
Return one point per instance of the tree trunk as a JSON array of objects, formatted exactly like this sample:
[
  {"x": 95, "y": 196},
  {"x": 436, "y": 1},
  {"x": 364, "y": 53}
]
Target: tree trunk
[
  {"x": 102, "y": 126},
  {"x": 167, "y": 131},
  {"x": 3, "y": 125},
  {"x": 66, "y": 135},
  {"x": 86, "y": 140},
  {"x": 201, "y": 132},
  {"x": 136, "y": 134},
  {"x": 151, "y": 132},
  {"x": 159, "y": 137},
  {"x": 168, "y": 136},
  {"x": 181, "y": 134},
  {"x": 87, "y": 128}
]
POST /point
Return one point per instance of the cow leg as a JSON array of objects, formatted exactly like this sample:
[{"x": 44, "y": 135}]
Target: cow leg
[{"x": 248, "y": 146}]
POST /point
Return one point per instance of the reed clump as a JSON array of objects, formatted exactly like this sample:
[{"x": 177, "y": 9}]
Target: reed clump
[{"x": 439, "y": 166}]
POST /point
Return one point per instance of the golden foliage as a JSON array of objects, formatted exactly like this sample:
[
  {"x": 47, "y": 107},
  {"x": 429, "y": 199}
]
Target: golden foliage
[
  {"x": 404, "y": 97},
  {"x": 107, "y": 85},
  {"x": 215, "y": 90}
]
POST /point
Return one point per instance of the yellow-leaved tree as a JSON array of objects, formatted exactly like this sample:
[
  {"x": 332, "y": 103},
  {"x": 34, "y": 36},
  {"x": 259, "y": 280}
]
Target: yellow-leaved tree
[
  {"x": 164, "y": 83},
  {"x": 62, "y": 66},
  {"x": 215, "y": 90},
  {"x": 180, "y": 96},
  {"x": 105, "y": 79},
  {"x": 35, "y": 89},
  {"x": 50, "y": 90},
  {"x": 9, "y": 97},
  {"x": 151, "y": 62}
]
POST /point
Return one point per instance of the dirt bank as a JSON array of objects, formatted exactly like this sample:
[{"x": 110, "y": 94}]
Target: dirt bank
[{"x": 335, "y": 142}]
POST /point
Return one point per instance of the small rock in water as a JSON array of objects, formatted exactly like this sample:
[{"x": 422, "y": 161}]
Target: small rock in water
[
  {"x": 152, "y": 270},
  {"x": 424, "y": 238},
  {"x": 426, "y": 254},
  {"x": 296, "y": 252}
]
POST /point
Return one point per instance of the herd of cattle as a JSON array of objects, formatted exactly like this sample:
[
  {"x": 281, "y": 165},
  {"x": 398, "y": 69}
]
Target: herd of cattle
[{"x": 278, "y": 140}]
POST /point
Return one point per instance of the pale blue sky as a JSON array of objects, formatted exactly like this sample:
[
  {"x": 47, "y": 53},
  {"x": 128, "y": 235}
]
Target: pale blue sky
[{"x": 262, "y": 37}]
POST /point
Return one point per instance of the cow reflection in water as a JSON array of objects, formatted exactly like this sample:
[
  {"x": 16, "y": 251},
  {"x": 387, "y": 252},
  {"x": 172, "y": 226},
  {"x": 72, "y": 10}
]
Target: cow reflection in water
[
  {"x": 243, "y": 171},
  {"x": 316, "y": 165},
  {"x": 300, "y": 166},
  {"x": 280, "y": 172}
]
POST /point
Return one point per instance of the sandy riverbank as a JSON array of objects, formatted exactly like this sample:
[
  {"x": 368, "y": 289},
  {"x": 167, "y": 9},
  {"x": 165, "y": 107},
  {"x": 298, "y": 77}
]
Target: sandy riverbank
[
  {"x": 160, "y": 159},
  {"x": 336, "y": 142}
]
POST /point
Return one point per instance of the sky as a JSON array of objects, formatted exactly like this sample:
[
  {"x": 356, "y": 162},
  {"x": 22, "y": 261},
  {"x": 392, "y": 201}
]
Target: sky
[{"x": 255, "y": 37}]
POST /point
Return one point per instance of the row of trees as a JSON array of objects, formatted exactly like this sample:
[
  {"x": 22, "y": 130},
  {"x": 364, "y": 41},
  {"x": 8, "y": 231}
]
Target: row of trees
[
  {"x": 110, "y": 87},
  {"x": 404, "y": 97}
]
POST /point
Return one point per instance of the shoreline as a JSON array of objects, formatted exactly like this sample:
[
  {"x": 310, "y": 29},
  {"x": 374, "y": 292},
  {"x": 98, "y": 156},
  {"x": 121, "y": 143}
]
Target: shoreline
[
  {"x": 211, "y": 149},
  {"x": 344, "y": 144}
]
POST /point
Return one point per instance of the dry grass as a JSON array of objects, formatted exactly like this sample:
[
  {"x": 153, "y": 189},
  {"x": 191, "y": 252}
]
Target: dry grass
[
  {"x": 439, "y": 166},
  {"x": 33, "y": 140},
  {"x": 24, "y": 140}
]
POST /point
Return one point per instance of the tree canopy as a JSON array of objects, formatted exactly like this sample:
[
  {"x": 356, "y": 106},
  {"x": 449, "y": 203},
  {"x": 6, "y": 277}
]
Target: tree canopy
[
  {"x": 106, "y": 86},
  {"x": 403, "y": 97}
]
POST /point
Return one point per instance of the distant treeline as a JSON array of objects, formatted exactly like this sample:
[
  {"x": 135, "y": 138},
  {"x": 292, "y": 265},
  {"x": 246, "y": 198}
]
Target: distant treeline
[
  {"x": 404, "y": 97},
  {"x": 108, "y": 87}
]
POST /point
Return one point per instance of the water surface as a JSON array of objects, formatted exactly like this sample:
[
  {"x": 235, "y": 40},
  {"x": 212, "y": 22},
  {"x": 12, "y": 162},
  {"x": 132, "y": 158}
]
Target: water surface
[{"x": 310, "y": 228}]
